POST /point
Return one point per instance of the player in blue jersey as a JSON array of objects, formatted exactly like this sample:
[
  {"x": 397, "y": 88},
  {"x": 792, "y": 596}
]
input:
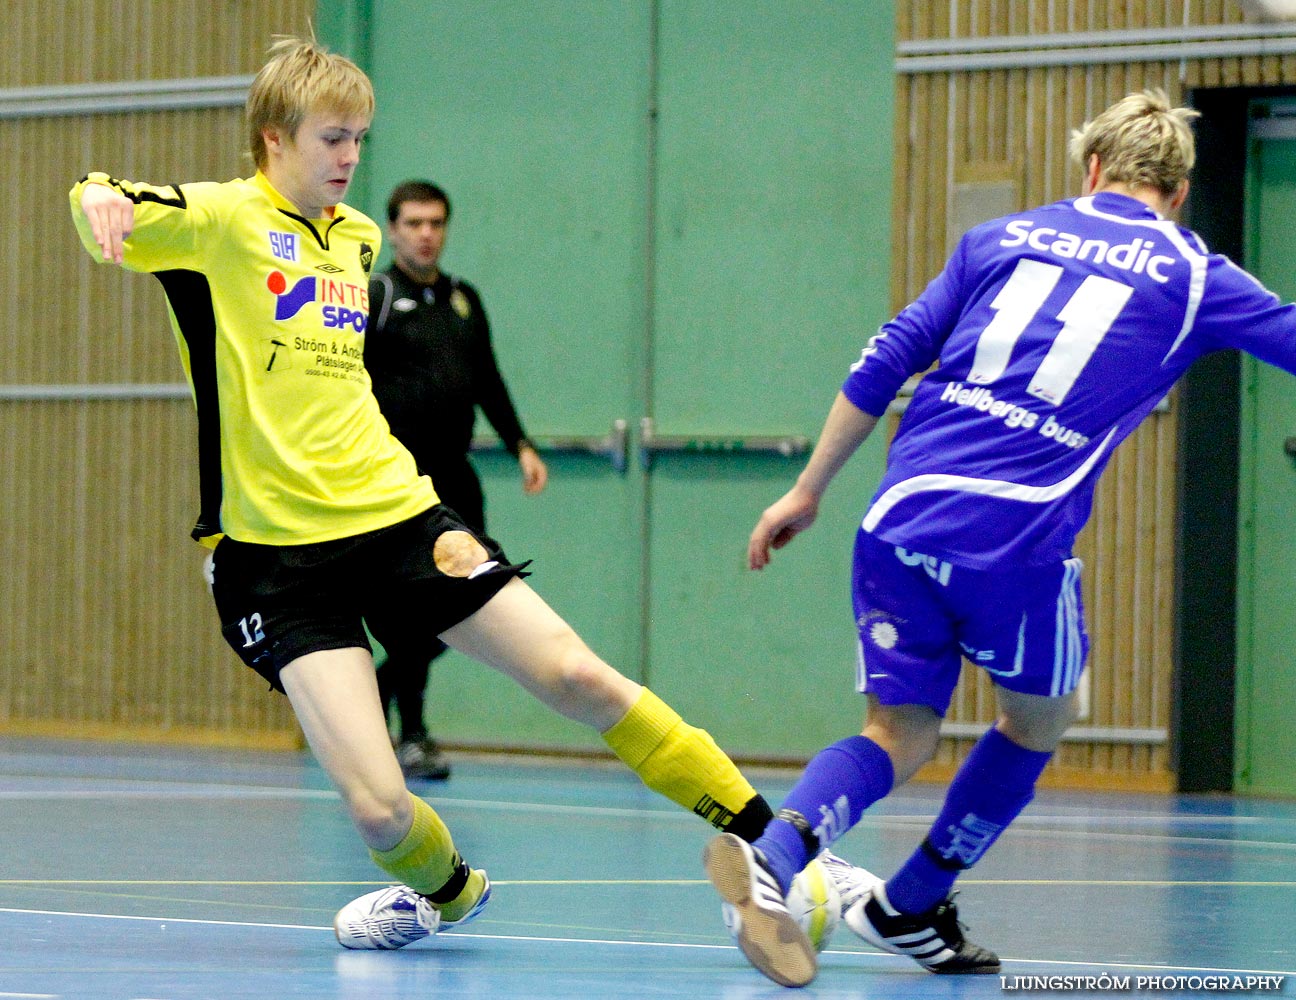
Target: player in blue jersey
[{"x": 1054, "y": 332}]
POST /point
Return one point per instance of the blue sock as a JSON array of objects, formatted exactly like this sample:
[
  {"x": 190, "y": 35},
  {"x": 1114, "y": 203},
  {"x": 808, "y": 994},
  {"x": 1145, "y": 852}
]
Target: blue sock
[
  {"x": 838, "y": 785},
  {"x": 992, "y": 787}
]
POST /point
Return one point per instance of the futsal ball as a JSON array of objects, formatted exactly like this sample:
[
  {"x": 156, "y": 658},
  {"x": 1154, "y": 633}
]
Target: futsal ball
[{"x": 815, "y": 903}]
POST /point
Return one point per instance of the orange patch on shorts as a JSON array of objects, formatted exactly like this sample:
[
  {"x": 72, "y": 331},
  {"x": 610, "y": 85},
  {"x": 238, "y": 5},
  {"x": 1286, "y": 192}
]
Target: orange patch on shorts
[{"x": 457, "y": 553}]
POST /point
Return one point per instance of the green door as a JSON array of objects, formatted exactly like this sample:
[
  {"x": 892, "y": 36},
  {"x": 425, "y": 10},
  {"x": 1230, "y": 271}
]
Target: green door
[
  {"x": 531, "y": 117},
  {"x": 770, "y": 236},
  {"x": 1266, "y": 740},
  {"x": 675, "y": 210}
]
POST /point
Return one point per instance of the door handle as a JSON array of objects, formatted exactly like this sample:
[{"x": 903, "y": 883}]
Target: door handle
[
  {"x": 614, "y": 445},
  {"x": 652, "y": 443}
]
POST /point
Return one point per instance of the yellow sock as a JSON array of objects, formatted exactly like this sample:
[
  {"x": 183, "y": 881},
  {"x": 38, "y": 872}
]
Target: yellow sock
[
  {"x": 680, "y": 762},
  {"x": 427, "y": 862}
]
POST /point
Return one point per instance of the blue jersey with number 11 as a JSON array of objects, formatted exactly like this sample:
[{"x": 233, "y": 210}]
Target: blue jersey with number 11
[{"x": 1056, "y": 331}]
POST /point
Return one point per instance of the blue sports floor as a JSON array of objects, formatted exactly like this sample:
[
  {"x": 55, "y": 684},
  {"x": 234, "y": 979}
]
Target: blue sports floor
[{"x": 139, "y": 873}]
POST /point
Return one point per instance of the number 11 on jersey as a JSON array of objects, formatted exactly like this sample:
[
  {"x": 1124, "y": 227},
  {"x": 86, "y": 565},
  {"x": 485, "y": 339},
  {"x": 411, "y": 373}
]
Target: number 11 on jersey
[{"x": 1086, "y": 318}]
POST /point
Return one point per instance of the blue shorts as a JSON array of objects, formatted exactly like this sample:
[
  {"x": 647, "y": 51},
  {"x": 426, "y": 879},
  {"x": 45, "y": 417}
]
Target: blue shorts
[{"x": 919, "y": 617}]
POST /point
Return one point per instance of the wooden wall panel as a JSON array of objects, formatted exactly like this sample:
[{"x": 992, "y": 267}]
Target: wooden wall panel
[
  {"x": 110, "y": 624},
  {"x": 96, "y": 323},
  {"x": 1011, "y": 124},
  {"x": 108, "y": 627},
  {"x": 100, "y": 41}
]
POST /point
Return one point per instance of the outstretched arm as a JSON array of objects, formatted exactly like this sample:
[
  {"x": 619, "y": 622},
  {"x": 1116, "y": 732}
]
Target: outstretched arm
[
  {"x": 846, "y": 428},
  {"x": 145, "y": 227}
]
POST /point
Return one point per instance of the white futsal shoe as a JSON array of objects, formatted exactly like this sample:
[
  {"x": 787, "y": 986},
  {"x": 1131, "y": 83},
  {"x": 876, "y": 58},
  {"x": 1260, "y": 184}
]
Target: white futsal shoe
[
  {"x": 396, "y": 916},
  {"x": 853, "y": 882},
  {"x": 934, "y": 939}
]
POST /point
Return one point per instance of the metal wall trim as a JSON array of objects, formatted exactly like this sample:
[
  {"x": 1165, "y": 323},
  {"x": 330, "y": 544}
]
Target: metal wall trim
[
  {"x": 124, "y": 95},
  {"x": 946, "y": 55},
  {"x": 94, "y": 391},
  {"x": 1076, "y": 734},
  {"x": 1076, "y": 39}
]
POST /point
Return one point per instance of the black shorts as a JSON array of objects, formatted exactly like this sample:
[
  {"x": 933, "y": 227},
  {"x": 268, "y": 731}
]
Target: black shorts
[{"x": 408, "y": 581}]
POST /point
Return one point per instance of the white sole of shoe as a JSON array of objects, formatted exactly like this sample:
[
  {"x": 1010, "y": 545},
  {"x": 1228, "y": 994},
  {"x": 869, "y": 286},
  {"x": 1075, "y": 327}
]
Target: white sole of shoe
[{"x": 772, "y": 941}]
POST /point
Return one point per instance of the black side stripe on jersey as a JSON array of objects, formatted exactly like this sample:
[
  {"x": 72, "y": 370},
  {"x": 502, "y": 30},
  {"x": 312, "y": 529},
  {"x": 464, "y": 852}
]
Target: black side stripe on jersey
[
  {"x": 177, "y": 201},
  {"x": 191, "y": 301},
  {"x": 320, "y": 238}
]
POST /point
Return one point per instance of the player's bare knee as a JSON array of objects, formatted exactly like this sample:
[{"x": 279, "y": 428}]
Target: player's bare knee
[
  {"x": 925, "y": 747},
  {"x": 908, "y": 758},
  {"x": 1042, "y": 726},
  {"x": 382, "y": 821},
  {"x": 580, "y": 674},
  {"x": 910, "y": 734},
  {"x": 584, "y": 684}
]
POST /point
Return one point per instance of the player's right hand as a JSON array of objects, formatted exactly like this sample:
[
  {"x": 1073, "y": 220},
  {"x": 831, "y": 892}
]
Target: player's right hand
[
  {"x": 111, "y": 216},
  {"x": 782, "y": 521}
]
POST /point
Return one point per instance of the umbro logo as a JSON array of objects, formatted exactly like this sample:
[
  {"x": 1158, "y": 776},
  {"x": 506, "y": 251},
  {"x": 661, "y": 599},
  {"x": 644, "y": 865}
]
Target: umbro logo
[{"x": 328, "y": 268}]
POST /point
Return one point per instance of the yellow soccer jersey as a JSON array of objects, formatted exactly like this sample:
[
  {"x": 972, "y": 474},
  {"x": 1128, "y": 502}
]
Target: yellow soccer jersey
[{"x": 269, "y": 311}]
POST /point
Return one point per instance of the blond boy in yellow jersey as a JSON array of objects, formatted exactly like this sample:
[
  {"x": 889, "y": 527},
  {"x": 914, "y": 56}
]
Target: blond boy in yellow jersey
[{"x": 321, "y": 516}]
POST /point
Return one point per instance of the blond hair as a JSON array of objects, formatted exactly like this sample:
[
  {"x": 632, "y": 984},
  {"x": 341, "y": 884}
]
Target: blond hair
[
  {"x": 301, "y": 76},
  {"x": 1140, "y": 141}
]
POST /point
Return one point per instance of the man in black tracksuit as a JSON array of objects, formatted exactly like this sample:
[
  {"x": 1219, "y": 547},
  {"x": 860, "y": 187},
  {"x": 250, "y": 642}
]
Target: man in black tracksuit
[{"x": 428, "y": 351}]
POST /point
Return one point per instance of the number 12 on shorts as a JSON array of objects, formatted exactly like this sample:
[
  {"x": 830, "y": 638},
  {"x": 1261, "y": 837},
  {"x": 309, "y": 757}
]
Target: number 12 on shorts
[{"x": 252, "y": 632}]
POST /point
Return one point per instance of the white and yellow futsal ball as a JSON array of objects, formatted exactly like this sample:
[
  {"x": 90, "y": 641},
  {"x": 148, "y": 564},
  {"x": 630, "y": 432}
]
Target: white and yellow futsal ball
[{"x": 814, "y": 902}]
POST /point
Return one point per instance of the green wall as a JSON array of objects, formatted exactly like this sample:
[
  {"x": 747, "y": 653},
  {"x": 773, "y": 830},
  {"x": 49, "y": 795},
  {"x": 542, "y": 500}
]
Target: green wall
[{"x": 675, "y": 209}]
